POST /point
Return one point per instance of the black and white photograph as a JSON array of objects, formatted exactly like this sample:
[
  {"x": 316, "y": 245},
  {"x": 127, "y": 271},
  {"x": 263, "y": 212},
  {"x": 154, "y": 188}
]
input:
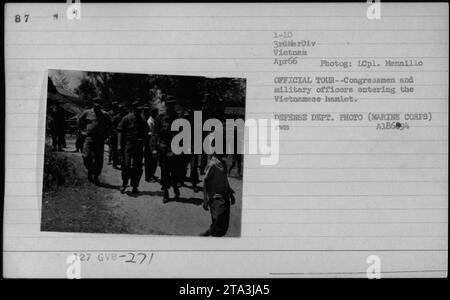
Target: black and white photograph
[
  {"x": 109, "y": 164},
  {"x": 231, "y": 143}
]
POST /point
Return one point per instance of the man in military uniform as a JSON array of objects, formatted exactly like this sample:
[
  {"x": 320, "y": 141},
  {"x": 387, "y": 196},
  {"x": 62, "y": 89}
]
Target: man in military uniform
[
  {"x": 217, "y": 196},
  {"x": 133, "y": 133},
  {"x": 150, "y": 154},
  {"x": 167, "y": 159},
  {"x": 95, "y": 125},
  {"x": 57, "y": 128},
  {"x": 115, "y": 155},
  {"x": 191, "y": 159},
  {"x": 112, "y": 140}
]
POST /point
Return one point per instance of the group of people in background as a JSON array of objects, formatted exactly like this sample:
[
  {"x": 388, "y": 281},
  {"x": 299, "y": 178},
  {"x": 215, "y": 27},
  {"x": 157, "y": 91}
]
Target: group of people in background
[
  {"x": 139, "y": 139},
  {"x": 56, "y": 126}
]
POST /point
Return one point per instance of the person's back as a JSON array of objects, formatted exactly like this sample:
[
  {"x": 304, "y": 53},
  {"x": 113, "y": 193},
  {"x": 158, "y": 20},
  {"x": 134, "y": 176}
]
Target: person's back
[
  {"x": 216, "y": 180},
  {"x": 218, "y": 196}
]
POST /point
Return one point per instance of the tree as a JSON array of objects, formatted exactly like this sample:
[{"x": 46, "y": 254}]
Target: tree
[
  {"x": 190, "y": 91},
  {"x": 59, "y": 79}
]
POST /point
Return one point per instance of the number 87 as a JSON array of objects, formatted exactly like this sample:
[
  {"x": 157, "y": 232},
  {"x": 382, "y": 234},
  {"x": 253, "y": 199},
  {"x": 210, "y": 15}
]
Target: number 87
[{"x": 18, "y": 19}]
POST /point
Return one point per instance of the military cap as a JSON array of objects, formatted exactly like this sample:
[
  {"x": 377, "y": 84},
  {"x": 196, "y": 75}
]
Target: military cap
[
  {"x": 97, "y": 101},
  {"x": 135, "y": 104},
  {"x": 170, "y": 100},
  {"x": 142, "y": 107}
]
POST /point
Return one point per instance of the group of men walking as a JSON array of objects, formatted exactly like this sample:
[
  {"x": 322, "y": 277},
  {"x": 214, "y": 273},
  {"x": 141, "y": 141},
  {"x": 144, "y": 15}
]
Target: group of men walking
[
  {"x": 142, "y": 134},
  {"x": 129, "y": 134}
]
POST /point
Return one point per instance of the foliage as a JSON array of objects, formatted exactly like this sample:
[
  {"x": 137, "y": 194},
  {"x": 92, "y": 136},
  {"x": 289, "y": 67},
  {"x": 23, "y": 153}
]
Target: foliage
[
  {"x": 59, "y": 78},
  {"x": 58, "y": 170},
  {"x": 190, "y": 91}
]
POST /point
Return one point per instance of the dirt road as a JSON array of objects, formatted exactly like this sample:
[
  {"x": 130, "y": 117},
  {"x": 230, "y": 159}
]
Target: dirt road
[{"x": 135, "y": 214}]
